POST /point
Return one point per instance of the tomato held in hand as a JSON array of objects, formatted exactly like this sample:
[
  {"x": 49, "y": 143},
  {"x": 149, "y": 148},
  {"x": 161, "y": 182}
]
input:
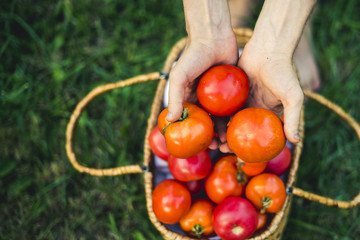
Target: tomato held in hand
[
  {"x": 235, "y": 218},
  {"x": 157, "y": 144},
  {"x": 197, "y": 221},
  {"x": 188, "y": 169},
  {"x": 255, "y": 135},
  {"x": 267, "y": 192},
  {"x": 170, "y": 201},
  {"x": 280, "y": 163},
  {"x": 223, "y": 90},
  {"x": 189, "y": 135},
  {"x": 226, "y": 179}
]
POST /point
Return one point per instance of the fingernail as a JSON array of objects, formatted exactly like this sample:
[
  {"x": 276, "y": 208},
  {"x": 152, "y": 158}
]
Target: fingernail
[
  {"x": 297, "y": 136},
  {"x": 169, "y": 116}
]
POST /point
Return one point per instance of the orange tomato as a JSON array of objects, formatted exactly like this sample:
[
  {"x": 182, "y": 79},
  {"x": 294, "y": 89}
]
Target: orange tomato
[
  {"x": 267, "y": 192},
  {"x": 226, "y": 179},
  {"x": 197, "y": 221},
  {"x": 255, "y": 135},
  {"x": 189, "y": 135},
  {"x": 170, "y": 201},
  {"x": 253, "y": 169}
]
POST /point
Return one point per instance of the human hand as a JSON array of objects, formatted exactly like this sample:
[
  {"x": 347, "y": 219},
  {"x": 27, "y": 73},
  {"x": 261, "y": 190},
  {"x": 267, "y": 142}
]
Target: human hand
[
  {"x": 198, "y": 56},
  {"x": 211, "y": 41},
  {"x": 267, "y": 61},
  {"x": 274, "y": 85}
]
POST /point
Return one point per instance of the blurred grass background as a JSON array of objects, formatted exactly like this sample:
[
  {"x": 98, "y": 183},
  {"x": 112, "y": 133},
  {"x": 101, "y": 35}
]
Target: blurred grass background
[{"x": 54, "y": 52}]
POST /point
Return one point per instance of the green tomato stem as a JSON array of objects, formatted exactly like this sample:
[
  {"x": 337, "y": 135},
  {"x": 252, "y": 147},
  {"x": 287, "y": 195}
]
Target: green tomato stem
[
  {"x": 183, "y": 116},
  {"x": 266, "y": 202},
  {"x": 197, "y": 230},
  {"x": 241, "y": 177}
]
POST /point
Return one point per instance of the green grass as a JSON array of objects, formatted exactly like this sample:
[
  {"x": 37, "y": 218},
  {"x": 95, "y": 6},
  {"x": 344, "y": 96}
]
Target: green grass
[{"x": 54, "y": 52}]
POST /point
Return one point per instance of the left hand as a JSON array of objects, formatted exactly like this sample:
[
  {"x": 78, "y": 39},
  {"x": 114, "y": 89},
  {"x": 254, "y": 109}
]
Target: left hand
[{"x": 274, "y": 86}]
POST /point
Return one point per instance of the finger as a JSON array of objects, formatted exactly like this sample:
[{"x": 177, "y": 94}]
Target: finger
[
  {"x": 292, "y": 111},
  {"x": 176, "y": 94},
  {"x": 225, "y": 148},
  {"x": 214, "y": 144},
  {"x": 185, "y": 70}
]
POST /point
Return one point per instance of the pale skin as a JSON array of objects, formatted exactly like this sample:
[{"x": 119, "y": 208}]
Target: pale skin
[{"x": 266, "y": 58}]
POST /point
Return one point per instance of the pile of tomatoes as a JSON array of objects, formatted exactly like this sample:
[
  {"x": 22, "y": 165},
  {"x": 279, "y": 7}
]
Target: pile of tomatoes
[{"x": 208, "y": 193}]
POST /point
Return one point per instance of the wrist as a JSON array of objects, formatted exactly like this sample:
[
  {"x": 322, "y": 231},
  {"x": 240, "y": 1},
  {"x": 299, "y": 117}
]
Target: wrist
[
  {"x": 207, "y": 20},
  {"x": 280, "y": 25}
]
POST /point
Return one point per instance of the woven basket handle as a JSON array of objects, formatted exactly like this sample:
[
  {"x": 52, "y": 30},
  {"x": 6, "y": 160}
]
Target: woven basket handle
[
  {"x": 317, "y": 198},
  {"x": 76, "y": 114}
]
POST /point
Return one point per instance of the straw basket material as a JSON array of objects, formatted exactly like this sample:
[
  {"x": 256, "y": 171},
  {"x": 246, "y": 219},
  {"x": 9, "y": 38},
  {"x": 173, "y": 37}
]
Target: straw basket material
[{"x": 278, "y": 222}]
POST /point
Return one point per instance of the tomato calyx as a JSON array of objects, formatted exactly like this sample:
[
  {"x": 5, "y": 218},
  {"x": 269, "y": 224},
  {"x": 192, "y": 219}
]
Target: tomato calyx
[
  {"x": 240, "y": 164},
  {"x": 240, "y": 175},
  {"x": 197, "y": 230},
  {"x": 266, "y": 202},
  {"x": 237, "y": 230},
  {"x": 183, "y": 116}
]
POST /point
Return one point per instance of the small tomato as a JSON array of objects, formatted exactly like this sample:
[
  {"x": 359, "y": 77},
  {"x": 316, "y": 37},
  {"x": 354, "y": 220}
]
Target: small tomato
[
  {"x": 226, "y": 179},
  {"x": 157, "y": 144},
  {"x": 189, "y": 135},
  {"x": 267, "y": 192},
  {"x": 255, "y": 135},
  {"x": 188, "y": 169},
  {"x": 252, "y": 169},
  {"x": 222, "y": 90},
  {"x": 262, "y": 218},
  {"x": 170, "y": 201},
  {"x": 235, "y": 218},
  {"x": 197, "y": 221},
  {"x": 280, "y": 163}
]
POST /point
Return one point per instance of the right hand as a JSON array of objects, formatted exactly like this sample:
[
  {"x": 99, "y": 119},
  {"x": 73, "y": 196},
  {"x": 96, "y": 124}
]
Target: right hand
[
  {"x": 211, "y": 41},
  {"x": 198, "y": 56}
]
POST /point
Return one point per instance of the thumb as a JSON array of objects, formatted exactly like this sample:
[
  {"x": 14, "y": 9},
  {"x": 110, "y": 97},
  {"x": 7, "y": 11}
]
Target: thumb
[
  {"x": 186, "y": 70},
  {"x": 292, "y": 111},
  {"x": 177, "y": 84}
]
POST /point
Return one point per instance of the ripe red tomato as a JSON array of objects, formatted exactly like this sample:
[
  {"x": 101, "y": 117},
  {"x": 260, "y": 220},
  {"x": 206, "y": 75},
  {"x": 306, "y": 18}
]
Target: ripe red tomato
[
  {"x": 235, "y": 218},
  {"x": 188, "y": 169},
  {"x": 170, "y": 201},
  {"x": 198, "y": 220},
  {"x": 222, "y": 90},
  {"x": 280, "y": 163},
  {"x": 255, "y": 135},
  {"x": 253, "y": 169},
  {"x": 157, "y": 144},
  {"x": 267, "y": 192},
  {"x": 226, "y": 179},
  {"x": 191, "y": 134}
]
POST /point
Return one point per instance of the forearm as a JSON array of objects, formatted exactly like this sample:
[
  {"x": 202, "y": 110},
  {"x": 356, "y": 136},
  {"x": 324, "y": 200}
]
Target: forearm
[
  {"x": 280, "y": 25},
  {"x": 207, "y": 19}
]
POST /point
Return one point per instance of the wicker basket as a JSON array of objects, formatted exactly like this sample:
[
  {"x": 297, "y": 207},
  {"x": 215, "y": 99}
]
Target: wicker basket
[{"x": 278, "y": 222}]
